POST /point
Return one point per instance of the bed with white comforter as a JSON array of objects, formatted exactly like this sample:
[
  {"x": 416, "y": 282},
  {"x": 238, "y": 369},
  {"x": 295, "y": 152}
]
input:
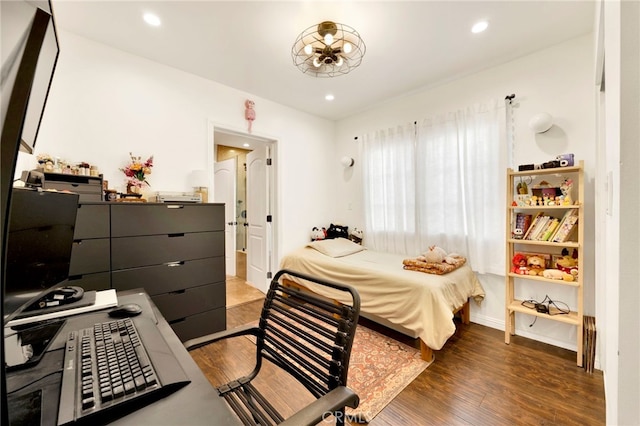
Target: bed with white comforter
[{"x": 421, "y": 302}]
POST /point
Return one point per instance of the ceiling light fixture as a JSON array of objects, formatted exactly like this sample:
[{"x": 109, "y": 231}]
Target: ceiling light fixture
[
  {"x": 329, "y": 97},
  {"x": 479, "y": 27},
  {"x": 328, "y": 50},
  {"x": 152, "y": 19}
]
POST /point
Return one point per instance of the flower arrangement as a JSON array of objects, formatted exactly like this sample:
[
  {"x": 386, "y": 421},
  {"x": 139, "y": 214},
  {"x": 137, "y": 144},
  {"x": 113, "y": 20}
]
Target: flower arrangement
[{"x": 137, "y": 170}]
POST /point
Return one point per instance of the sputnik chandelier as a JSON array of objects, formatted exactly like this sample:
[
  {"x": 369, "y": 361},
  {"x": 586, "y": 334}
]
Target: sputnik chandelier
[{"x": 328, "y": 50}]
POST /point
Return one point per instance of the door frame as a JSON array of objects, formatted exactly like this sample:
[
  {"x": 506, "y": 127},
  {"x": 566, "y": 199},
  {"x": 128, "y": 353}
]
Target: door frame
[{"x": 273, "y": 247}]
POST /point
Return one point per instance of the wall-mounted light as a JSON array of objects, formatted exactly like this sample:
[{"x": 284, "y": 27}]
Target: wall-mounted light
[
  {"x": 347, "y": 162},
  {"x": 541, "y": 122}
]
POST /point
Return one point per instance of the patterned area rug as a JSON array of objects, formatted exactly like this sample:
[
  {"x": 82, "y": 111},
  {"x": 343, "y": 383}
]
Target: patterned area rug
[{"x": 380, "y": 368}]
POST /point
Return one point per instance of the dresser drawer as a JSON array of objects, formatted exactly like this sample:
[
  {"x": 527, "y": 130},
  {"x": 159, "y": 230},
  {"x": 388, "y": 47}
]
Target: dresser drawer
[
  {"x": 200, "y": 324},
  {"x": 150, "y": 219},
  {"x": 89, "y": 256},
  {"x": 98, "y": 281},
  {"x": 92, "y": 221},
  {"x": 131, "y": 252},
  {"x": 159, "y": 279},
  {"x": 191, "y": 301}
]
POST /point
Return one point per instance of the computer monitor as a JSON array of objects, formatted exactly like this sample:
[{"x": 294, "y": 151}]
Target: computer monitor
[
  {"x": 38, "y": 250},
  {"x": 29, "y": 54}
]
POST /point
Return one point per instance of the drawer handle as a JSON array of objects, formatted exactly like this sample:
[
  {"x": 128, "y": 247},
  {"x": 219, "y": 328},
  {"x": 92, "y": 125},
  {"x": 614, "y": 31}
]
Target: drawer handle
[
  {"x": 177, "y": 321},
  {"x": 74, "y": 278},
  {"x": 179, "y": 234},
  {"x": 175, "y": 206},
  {"x": 172, "y": 264},
  {"x": 78, "y": 242},
  {"x": 178, "y": 292}
]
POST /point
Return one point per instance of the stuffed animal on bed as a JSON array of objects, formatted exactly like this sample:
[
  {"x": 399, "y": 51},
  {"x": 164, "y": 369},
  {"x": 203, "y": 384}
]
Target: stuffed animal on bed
[
  {"x": 435, "y": 254},
  {"x": 318, "y": 234}
]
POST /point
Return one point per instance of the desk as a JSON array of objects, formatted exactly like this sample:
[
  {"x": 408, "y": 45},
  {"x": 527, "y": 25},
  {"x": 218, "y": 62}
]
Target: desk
[{"x": 195, "y": 404}]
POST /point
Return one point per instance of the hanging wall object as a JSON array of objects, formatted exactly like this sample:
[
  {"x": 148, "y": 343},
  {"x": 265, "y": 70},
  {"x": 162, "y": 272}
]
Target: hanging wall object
[{"x": 249, "y": 112}]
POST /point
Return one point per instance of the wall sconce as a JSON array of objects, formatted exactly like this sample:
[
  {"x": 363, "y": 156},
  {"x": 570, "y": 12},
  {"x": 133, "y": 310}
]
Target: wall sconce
[
  {"x": 200, "y": 181},
  {"x": 540, "y": 123},
  {"x": 347, "y": 162}
]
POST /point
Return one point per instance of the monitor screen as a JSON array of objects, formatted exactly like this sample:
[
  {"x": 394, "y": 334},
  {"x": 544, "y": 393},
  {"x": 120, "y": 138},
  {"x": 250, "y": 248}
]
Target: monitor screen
[{"x": 39, "y": 242}]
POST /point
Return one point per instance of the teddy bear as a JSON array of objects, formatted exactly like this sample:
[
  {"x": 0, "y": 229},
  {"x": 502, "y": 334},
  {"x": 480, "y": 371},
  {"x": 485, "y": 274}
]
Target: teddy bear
[
  {"x": 435, "y": 254},
  {"x": 567, "y": 264},
  {"x": 536, "y": 265}
]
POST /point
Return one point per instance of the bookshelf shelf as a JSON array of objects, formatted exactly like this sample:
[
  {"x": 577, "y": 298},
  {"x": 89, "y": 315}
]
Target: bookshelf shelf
[{"x": 544, "y": 231}]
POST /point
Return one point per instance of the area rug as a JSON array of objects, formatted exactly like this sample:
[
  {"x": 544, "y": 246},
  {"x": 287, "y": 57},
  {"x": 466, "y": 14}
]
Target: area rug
[{"x": 380, "y": 368}]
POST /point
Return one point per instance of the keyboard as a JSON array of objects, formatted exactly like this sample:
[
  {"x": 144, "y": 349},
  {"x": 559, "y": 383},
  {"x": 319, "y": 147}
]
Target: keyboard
[{"x": 113, "y": 368}]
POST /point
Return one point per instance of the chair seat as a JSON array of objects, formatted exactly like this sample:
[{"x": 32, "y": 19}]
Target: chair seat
[{"x": 250, "y": 406}]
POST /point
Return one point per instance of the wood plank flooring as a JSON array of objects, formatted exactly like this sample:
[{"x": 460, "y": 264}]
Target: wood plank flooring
[{"x": 476, "y": 379}]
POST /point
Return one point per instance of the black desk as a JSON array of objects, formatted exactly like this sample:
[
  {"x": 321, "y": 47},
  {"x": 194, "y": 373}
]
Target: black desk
[{"x": 197, "y": 403}]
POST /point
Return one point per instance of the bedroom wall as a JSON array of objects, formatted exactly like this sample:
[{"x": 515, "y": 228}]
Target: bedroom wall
[
  {"x": 105, "y": 103},
  {"x": 558, "y": 80}
]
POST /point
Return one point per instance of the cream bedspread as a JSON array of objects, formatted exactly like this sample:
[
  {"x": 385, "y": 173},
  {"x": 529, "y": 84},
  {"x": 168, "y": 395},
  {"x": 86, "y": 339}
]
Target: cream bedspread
[{"x": 418, "y": 301}]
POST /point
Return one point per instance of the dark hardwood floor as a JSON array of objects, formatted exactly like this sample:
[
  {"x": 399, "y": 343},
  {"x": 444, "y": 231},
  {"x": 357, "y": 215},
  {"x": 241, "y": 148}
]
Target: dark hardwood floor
[{"x": 476, "y": 379}]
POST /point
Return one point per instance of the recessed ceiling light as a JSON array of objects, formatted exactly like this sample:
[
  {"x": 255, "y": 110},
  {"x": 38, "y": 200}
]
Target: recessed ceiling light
[
  {"x": 329, "y": 97},
  {"x": 246, "y": 145},
  {"x": 152, "y": 19},
  {"x": 479, "y": 27}
]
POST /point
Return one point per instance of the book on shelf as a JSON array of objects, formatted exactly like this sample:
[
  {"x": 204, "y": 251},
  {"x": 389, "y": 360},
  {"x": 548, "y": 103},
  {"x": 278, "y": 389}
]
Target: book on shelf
[
  {"x": 540, "y": 225},
  {"x": 566, "y": 228},
  {"x": 523, "y": 222},
  {"x": 550, "y": 229},
  {"x": 534, "y": 223}
]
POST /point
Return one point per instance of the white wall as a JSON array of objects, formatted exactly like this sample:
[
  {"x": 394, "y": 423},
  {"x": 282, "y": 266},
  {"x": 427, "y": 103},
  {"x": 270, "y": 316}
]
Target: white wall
[
  {"x": 105, "y": 103},
  {"x": 558, "y": 80}
]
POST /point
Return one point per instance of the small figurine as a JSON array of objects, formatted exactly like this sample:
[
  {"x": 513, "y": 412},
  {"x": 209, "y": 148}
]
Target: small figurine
[{"x": 249, "y": 112}]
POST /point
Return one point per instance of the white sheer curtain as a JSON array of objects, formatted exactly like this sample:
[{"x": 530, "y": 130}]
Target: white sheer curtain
[
  {"x": 389, "y": 189},
  {"x": 442, "y": 184}
]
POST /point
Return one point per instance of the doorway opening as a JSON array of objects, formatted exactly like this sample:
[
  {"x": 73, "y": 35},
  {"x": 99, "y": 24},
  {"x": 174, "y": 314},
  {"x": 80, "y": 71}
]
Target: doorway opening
[{"x": 244, "y": 182}]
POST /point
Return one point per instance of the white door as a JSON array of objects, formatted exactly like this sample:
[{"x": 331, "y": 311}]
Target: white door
[
  {"x": 257, "y": 211},
  {"x": 224, "y": 191}
]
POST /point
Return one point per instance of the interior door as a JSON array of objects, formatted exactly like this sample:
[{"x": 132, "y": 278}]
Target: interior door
[
  {"x": 224, "y": 191},
  {"x": 257, "y": 211}
]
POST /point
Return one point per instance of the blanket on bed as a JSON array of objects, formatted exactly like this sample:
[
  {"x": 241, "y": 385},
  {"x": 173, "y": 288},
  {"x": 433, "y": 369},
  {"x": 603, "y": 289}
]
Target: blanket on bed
[
  {"x": 423, "y": 303},
  {"x": 432, "y": 267}
]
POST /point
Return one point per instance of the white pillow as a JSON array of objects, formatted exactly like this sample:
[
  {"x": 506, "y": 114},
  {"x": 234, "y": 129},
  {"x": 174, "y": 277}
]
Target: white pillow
[{"x": 336, "y": 247}]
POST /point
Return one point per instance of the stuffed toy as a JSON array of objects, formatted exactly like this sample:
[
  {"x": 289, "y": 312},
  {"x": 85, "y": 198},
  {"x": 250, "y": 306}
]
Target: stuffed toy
[
  {"x": 520, "y": 264},
  {"x": 535, "y": 264},
  {"x": 556, "y": 274},
  {"x": 318, "y": 234},
  {"x": 435, "y": 254},
  {"x": 567, "y": 264}
]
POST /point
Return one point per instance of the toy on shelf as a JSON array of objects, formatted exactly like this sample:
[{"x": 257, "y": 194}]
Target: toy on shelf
[
  {"x": 520, "y": 264},
  {"x": 562, "y": 160}
]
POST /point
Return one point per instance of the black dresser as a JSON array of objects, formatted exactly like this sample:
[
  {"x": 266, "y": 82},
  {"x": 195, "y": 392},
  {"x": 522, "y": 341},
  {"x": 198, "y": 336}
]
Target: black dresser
[{"x": 174, "y": 251}]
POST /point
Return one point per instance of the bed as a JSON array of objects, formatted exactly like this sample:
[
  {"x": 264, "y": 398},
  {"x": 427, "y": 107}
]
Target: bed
[{"x": 419, "y": 304}]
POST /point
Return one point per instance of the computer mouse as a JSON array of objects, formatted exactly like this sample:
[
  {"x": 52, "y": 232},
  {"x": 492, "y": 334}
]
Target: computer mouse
[{"x": 123, "y": 311}]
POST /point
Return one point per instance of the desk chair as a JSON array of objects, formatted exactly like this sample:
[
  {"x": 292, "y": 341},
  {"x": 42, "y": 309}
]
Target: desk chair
[{"x": 308, "y": 336}]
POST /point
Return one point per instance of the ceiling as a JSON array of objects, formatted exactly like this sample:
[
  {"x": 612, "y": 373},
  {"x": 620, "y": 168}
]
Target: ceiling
[{"x": 247, "y": 45}]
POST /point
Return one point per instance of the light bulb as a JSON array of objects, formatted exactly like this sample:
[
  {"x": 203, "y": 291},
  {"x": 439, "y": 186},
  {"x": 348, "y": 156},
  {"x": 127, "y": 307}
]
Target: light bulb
[
  {"x": 328, "y": 39},
  {"x": 316, "y": 63},
  {"x": 308, "y": 49},
  {"x": 347, "y": 47},
  {"x": 340, "y": 61}
]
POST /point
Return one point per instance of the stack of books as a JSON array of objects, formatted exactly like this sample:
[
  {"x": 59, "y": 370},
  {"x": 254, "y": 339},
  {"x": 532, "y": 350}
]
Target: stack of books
[{"x": 548, "y": 228}]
